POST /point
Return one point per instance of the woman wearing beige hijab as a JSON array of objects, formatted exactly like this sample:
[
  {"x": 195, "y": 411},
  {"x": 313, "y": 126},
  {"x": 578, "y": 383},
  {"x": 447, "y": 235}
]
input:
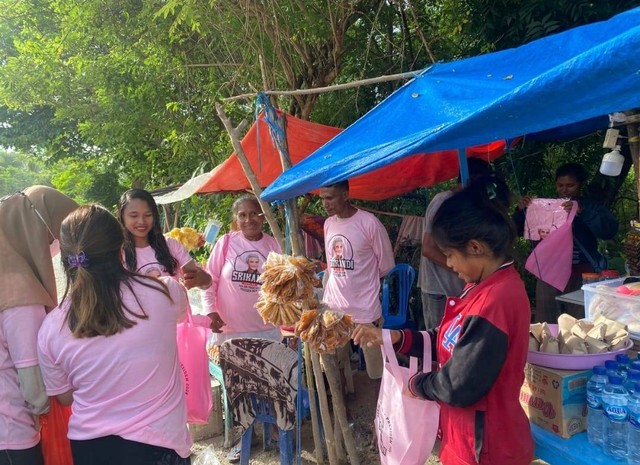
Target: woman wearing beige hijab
[{"x": 29, "y": 225}]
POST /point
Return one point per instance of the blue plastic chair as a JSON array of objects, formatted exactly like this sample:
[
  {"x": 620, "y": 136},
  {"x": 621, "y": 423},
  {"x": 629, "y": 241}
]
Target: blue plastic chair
[
  {"x": 404, "y": 275},
  {"x": 264, "y": 412},
  {"x": 216, "y": 372}
]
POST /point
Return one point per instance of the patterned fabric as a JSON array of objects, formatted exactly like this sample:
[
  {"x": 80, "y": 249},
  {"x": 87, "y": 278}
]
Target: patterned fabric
[{"x": 265, "y": 368}]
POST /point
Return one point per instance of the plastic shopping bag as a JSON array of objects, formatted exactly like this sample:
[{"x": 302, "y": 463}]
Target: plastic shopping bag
[
  {"x": 406, "y": 427},
  {"x": 543, "y": 216},
  {"x": 551, "y": 260},
  {"x": 194, "y": 362},
  {"x": 56, "y": 448}
]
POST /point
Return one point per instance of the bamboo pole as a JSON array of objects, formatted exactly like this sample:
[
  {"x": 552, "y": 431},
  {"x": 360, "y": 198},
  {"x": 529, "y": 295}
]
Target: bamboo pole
[
  {"x": 330, "y": 363},
  {"x": 321, "y": 90},
  {"x": 292, "y": 216},
  {"x": 234, "y": 134},
  {"x": 291, "y": 212}
]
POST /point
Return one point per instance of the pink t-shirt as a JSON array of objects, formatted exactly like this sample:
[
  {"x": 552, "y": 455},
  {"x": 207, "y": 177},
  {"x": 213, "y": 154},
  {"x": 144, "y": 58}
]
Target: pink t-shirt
[
  {"x": 128, "y": 384},
  {"x": 147, "y": 262},
  {"x": 18, "y": 340},
  {"x": 235, "y": 265},
  {"x": 359, "y": 253}
]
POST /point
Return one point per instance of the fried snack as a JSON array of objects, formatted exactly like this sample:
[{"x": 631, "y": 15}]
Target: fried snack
[
  {"x": 288, "y": 278},
  {"x": 278, "y": 312},
  {"x": 325, "y": 330},
  {"x": 580, "y": 336},
  {"x": 306, "y": 320},
  {"x": 287, "y": 289}
]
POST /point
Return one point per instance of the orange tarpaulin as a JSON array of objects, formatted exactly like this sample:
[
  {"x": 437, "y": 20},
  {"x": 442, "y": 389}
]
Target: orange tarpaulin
[{"x": 304, "y": 137}]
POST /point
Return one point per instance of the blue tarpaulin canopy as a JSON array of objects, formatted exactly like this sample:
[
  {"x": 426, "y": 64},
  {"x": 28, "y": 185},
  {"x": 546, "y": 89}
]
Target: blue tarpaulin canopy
[{"x": 570, "y": 77}]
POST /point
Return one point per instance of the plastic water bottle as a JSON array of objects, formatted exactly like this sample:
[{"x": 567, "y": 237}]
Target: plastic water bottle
[
  {"x": 635, "y": 365},
  {"x": 612, "y": 368},
  {"x": 629, "y": 383},
  {"x": 614, "y": 403},
  {"x": 595, "y": 414},
  {"x": 633, "y": 427},
  {"x": 623, "y": 364}
]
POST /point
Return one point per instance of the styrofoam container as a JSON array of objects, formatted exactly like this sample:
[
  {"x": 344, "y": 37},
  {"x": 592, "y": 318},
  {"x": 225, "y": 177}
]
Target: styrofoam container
[
  {"x": 572, "y": 361},
  {"x": 602, "y": 298}
]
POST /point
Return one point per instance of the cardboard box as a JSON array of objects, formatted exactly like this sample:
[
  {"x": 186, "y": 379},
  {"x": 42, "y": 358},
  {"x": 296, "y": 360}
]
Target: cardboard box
[
  {"x": 215, "y": 426},
  {"x": 556, "y": 399}
]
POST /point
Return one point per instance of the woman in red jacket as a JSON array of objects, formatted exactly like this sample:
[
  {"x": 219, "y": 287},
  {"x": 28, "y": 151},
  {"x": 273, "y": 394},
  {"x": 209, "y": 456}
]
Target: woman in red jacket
[{"x": 482, "y": 342}]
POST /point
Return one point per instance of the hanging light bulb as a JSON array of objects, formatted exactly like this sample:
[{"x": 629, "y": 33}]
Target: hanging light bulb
[{"x": 612, "y": 162}]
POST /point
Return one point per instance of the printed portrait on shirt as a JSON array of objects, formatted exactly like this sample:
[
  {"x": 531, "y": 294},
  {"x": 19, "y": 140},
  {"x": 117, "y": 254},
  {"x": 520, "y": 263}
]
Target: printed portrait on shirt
[
  {"x": 154, "y": 269},
  {"x": 340, "y": 255},
  {"x": 246, "y": 270}
]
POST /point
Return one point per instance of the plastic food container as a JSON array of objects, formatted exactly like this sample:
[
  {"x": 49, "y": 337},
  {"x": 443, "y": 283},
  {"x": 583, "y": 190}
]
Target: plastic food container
[
  {"x": 572, "y": 362},
  {"x": 601, "y": 298}
]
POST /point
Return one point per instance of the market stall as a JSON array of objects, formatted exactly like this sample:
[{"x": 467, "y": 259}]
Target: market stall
[{"x": 575, "y": 76}]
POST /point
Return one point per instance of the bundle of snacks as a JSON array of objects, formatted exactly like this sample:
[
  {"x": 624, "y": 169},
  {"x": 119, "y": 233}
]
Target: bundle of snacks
[
  {"x": 287, "y": 288},
  {"x": 579, "y": 336},
  {"x": 324, "y": 330},
  {"x": 213, "y": 351}
]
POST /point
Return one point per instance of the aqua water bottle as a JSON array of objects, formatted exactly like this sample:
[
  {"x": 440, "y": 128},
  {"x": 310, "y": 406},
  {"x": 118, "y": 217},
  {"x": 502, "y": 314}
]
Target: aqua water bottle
[
  {"x": 615, "y": 405},
  {"x": 613, "y": 369},
  {"x": 629, "y": 383},
  {"x": 633, "y": 427},
  {"x": 623, "y": 364},
  {"x": 595, "y": 414}
]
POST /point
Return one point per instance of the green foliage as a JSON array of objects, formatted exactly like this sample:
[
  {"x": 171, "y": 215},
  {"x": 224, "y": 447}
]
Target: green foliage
[
  {"x": 88, "y": 181},
  {"x": 108, "y": 95},
  {"x": 19, "y": 171}
]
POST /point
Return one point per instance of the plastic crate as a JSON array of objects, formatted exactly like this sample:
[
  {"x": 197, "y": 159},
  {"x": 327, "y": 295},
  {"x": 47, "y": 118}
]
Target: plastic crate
[{"x": 601, "y": 298}]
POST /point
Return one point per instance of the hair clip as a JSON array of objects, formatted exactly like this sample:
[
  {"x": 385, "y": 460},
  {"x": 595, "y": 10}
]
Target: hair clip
[
  {"x": 491, "y": 190},
  {"x": 77, "y": 261}
]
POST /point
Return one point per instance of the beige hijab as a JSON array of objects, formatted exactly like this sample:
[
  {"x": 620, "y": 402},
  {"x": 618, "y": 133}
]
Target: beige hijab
[{"x": 28, "y": 219}]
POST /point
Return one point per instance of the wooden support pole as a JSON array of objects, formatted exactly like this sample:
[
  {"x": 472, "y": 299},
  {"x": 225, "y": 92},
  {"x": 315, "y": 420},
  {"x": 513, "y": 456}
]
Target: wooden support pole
[
  {"x": 324, "y": 408},
  {"x": 330, "y": 363},
  {"x": 315, "y": 427}
]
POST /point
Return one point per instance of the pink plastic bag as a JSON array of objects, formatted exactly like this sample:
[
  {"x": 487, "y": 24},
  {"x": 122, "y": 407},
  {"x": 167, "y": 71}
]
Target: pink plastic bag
[
  {"x": 406, "y": 427},
  {"x": 194, "y": 362},
  {"x": 543, "y": 217},
  {"x": 551, "y": 259}
]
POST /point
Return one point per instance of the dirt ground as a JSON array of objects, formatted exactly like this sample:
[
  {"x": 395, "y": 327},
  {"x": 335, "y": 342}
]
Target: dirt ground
[{"x": 360, "y": 412}]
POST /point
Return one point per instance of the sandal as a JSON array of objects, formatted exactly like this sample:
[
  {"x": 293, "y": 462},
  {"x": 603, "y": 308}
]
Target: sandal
[{"x": 234, "y": 454}]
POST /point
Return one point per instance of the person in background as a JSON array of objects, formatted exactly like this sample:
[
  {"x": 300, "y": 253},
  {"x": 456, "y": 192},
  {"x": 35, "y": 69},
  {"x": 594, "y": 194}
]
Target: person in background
[
  {"x": 234, "y": 266},
  {"x": 436, "y": 279},
  {"x": 29, "y": 231},
  {"x": 146, "y": 249},
  {"x": 481, "y": 344},
  {"x": 231, "y": 299},
  {"x": 352, "y": 278},
  {"x": 110, "y": 350},
  {"x": 593, "y": 221}
]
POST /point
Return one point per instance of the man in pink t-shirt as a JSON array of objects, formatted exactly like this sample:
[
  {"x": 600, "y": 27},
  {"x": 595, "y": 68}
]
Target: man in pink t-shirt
[{"x": 359, "y": 253}]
